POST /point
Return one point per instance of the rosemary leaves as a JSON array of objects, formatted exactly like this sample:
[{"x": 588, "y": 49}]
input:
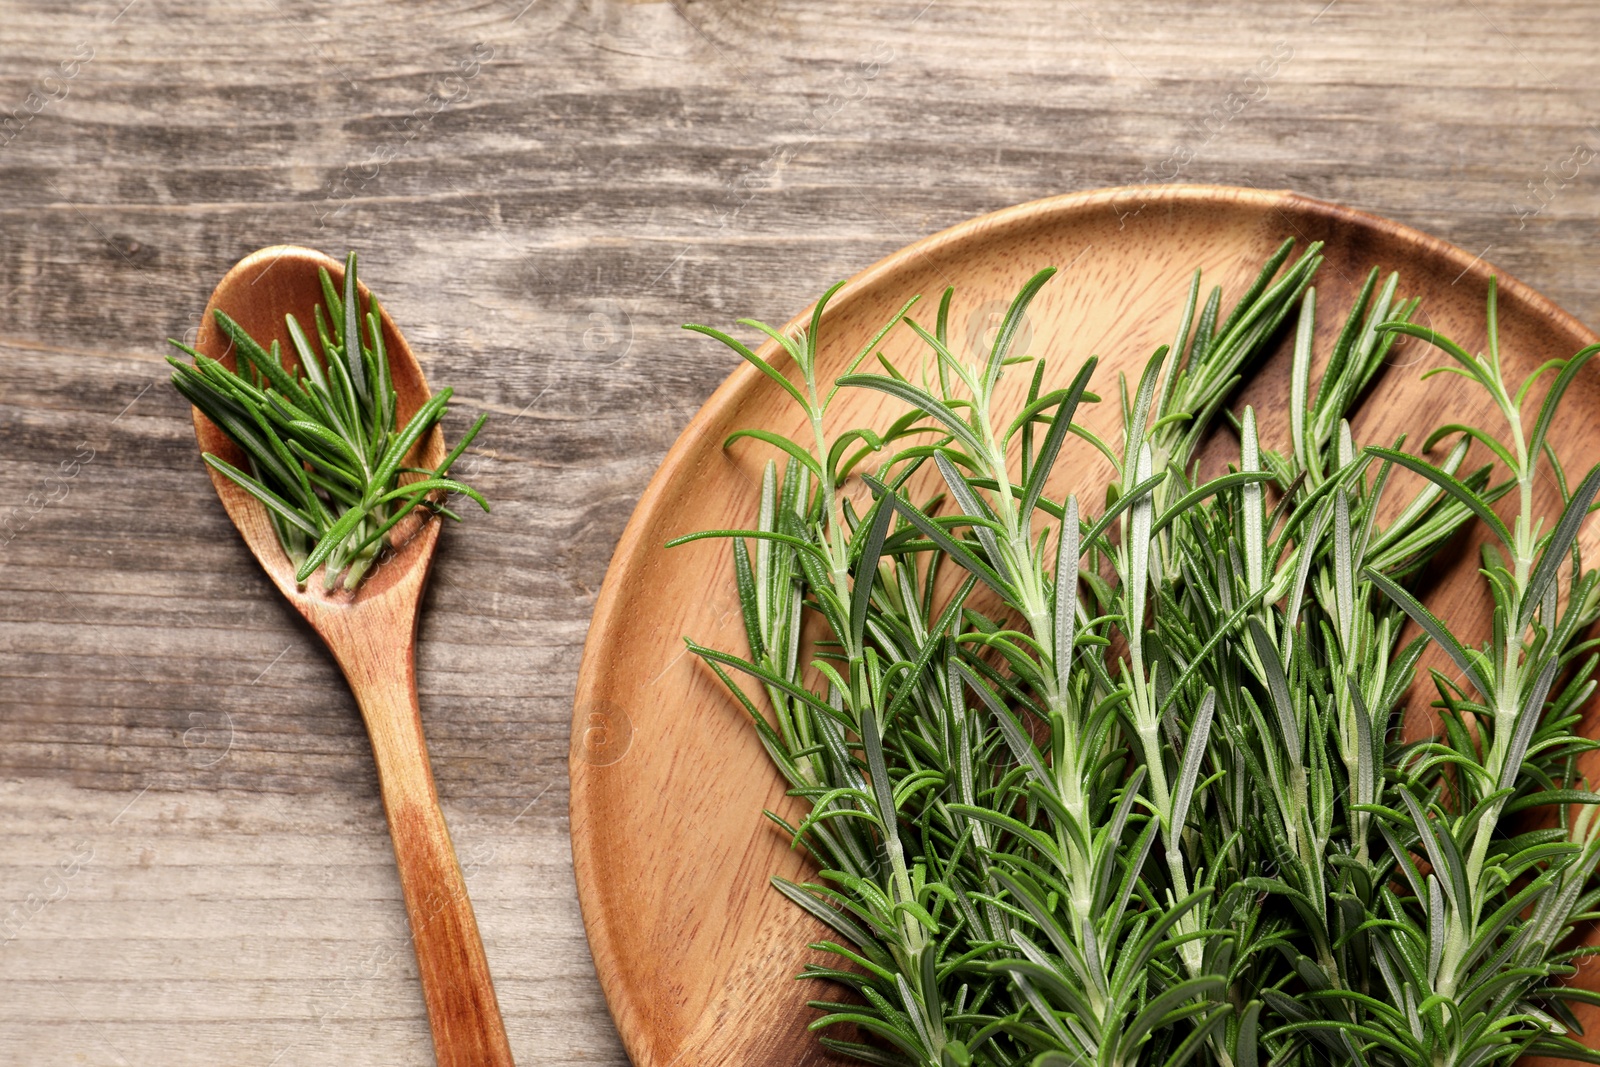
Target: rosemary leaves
[
  {"x": 1144, "y": 801},
  {"x": 323, "y": 447}
]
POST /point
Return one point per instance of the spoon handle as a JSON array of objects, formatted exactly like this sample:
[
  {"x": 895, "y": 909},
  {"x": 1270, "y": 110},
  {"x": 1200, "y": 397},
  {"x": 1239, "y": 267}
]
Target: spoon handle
[{"x": 462, "y": 1010}]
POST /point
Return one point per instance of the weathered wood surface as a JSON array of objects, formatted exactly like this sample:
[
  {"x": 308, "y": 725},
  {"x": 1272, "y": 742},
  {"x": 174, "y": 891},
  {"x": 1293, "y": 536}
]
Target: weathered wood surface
[{"x": 194, "y": 867}]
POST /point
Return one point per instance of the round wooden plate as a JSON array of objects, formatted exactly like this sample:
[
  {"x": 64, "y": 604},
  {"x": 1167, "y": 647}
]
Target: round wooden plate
[{"x": 695, "y": 951}]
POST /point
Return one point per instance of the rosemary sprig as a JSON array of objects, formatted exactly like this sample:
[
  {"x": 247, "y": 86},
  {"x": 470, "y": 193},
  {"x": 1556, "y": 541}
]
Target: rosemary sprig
[{"x": 324, "y": 453}]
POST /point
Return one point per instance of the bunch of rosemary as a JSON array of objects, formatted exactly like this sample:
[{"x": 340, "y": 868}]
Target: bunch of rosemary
[
  {"x": 324, "y": 450},
  {"x": 1129, "y": 788}
]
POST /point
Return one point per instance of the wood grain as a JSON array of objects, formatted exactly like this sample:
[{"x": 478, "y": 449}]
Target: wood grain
[{"x": 612, "y": 171}]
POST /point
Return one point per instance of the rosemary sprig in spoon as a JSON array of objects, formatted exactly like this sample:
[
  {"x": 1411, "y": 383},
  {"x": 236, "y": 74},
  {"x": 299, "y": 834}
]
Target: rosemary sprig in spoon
[{"x": 324, "y": 451}]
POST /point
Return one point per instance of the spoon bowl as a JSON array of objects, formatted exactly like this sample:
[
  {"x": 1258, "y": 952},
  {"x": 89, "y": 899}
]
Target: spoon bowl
[
  {"x": 371, "y": 633},
  {"x": 257, "y": 293}
]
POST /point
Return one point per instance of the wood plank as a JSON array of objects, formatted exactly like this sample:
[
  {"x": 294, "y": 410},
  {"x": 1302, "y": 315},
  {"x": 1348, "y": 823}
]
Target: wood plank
[{"x": 614, "y": 170}]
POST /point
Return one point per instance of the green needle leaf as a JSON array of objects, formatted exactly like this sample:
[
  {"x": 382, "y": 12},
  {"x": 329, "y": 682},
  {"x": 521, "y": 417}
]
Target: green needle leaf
[
  {"x": 1556, "y": 549},
  {"x": 1045, "y": 462},
  {"x": 1472, "y": 501},
  {"x": 924, "y": 402},
  {"x": 867, "y": 571},
  {"x": 282, "y": 508},
  {"x": 1432, "y": 626},
  {"x": 757, "y": 362},
  {"x": 430, "y": 485},
  {"x": 352, "y": 334},
  {"x": 1009, "y": 326}
]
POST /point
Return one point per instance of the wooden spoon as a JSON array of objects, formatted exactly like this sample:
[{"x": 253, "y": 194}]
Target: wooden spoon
[{"x": 372, "y": 634}]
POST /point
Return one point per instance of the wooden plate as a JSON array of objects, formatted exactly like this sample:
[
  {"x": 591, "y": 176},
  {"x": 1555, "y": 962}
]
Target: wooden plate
[{"x": 696, "y": 953}]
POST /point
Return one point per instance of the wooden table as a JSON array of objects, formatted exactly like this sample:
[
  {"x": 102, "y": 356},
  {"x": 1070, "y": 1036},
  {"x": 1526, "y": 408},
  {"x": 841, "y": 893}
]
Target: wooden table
[{"x": 194, "y": 867}]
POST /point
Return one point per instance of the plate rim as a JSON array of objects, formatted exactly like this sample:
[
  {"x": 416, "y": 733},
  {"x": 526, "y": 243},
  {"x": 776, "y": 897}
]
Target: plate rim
[{"x": 626, "y": 1013}]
